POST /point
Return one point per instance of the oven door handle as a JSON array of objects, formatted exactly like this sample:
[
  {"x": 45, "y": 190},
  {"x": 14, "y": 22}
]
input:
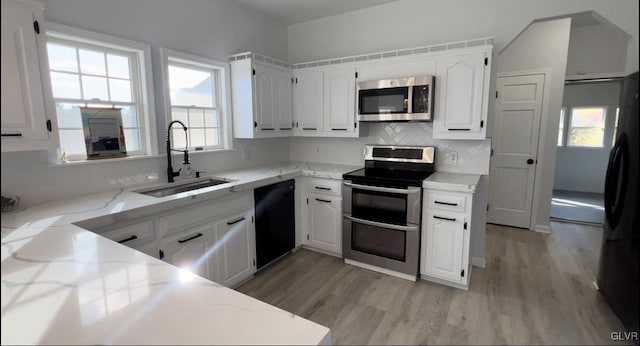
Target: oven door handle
[
  {"x": 382, "y": 225},
  {"x": 409, "y": 190}
]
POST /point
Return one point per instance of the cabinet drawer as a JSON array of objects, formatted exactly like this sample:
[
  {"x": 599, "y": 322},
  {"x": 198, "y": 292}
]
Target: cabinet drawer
[
  {"x": 195, "y": 215},
  {"x": 131, "y": 235},
  {"x": 446, "y": 201},
  {"x": 324, "y": 186}
]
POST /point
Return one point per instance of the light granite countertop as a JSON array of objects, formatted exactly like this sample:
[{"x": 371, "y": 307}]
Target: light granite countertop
[
  {"x": 452, "y": 182},
  {"x": 62, "y": 284}
]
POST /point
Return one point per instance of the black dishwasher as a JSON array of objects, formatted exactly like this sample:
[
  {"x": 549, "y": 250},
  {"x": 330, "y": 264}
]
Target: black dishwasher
[{"x": 275, "y": 221}]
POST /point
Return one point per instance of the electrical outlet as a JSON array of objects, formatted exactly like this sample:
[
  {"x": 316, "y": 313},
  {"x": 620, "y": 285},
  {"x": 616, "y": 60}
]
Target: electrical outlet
[{"x": 451, "y": 157}]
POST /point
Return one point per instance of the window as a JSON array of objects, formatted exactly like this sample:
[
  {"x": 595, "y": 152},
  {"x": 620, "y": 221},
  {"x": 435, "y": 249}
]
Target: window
[
  {"x": 586, "y": 127},
  {"x": 197, "y": 96},
  {"x": 90, "y": 69},
  {"x": 561, "y": 127}
]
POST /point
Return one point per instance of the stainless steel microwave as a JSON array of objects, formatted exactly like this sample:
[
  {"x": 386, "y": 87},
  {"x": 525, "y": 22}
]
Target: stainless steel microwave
[{"x": 404, "y": 99}]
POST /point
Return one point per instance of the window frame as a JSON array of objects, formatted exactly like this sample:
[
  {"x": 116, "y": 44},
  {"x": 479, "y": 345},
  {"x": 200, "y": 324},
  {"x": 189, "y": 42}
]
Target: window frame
[
  {"x": 568, "y": 127},
  {"x": 222, "y": 88},
  {"x": 141, "y": 79}
]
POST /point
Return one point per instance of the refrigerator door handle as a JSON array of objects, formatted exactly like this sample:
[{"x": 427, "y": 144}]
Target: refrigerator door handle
[{"x": 614, "y": 189}]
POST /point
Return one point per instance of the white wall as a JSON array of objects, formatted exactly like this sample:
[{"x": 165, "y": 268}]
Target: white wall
[
  {"x": 214, "y": 29},
  {"x": 544, "y": 45},
  {"x": 410, "y": 23},
  {"x": 596, "y": 49},
  {"x": 584, "y": 169}
]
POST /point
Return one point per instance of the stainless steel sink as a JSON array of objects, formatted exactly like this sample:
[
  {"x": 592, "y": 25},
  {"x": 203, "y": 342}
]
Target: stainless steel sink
[{"x": 177, "y": 188}]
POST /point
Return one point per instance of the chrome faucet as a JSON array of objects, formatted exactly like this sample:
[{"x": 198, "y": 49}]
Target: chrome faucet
[{"x": 170, "y": 173}]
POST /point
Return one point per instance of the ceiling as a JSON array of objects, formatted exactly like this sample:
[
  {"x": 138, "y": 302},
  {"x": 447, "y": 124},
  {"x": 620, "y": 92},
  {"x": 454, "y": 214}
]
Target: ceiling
[{"x": 298, "y": 11}]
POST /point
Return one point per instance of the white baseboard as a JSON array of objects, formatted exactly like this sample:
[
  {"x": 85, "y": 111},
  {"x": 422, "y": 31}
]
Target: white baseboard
[
  {"x": 322, "y": 251},
  {"x": 381, "y": 270},
  {"x": 479, "y": 262},
  {"x": 542, "y": 229}
]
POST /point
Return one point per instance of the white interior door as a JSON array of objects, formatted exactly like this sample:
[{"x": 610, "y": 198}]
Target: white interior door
[{"x": 515, "y": 148}]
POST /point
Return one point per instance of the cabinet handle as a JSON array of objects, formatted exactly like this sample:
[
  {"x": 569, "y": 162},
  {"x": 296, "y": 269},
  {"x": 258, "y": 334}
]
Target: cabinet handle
[
  {"x": 458, "y": 129},
  {"x": 190, "y": 238},
  {"x": 444, "y": 218},
  {"x": 309, "y": 128},
  {"x": 133, "y": 237},
  {"x": 338, "y": 129},
  {"x": 323, "y": 188},
  {"x": 236, "y": 221},
  {"x": 267, "y": 129},
  {"x": 285, "y": 128},
  {"x": 12, "y": 135},
  {"x": 323, "y": 200},
  {"x": 445, "y": 203}
]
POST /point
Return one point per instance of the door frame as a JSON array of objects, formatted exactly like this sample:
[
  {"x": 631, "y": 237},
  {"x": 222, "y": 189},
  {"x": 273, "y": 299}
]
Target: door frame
[{"x": 542, "y": 135}]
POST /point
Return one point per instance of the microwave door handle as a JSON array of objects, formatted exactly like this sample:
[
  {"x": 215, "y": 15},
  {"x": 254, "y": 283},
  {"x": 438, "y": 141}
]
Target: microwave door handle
[
  {"x": 382, "y": 225},
  {"x": 409, "y": 190}
]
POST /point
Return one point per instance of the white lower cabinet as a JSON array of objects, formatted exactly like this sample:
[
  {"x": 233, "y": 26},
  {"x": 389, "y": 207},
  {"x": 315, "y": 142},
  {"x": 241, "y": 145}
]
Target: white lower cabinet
[
  {"x": 234, "y": 248},
  {"x": 322, "y": 215},
  {"x": 446, "y": 221},
  {"x": 214, "y": 239},
  {"x": 188, "y": 249}
]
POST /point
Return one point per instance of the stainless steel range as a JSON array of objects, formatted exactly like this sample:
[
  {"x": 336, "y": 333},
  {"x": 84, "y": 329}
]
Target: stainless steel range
[{"x": 381, "y": 206}]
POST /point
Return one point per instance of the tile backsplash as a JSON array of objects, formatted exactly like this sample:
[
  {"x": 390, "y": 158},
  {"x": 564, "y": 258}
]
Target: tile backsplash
[{"x": 471, "y": 156}]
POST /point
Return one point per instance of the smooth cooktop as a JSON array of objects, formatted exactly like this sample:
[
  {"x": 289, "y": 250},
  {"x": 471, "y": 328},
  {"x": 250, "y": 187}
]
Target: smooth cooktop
[{"x": 388, "y": 176}]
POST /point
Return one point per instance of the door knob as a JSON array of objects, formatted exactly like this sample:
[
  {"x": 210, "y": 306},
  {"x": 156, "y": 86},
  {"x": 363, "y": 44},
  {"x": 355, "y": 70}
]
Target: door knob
[{"x": 530, "y": 161}]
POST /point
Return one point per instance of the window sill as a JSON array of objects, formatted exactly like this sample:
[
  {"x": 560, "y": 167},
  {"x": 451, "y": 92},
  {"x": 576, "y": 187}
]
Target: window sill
[{"x": 133, "y": 158}]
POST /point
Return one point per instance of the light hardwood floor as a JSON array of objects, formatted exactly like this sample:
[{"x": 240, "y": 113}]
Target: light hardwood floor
[{"x": 536, "y": 289}]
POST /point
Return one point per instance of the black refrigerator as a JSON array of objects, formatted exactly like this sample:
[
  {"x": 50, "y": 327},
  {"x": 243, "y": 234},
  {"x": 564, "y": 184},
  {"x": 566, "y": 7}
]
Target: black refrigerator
[{"x": 618, "y": 274}]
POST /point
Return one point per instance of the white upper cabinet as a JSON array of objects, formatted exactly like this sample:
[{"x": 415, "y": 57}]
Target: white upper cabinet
[
  {"x": 308, "y": 103},
  {"x": 462, "y": 91},
  {"x": 261, "y": 98},
  {"x": 324, "y": 100},
  {"x": 339, "y": 99},
  {"x": 396, "y": 68},
  {"x": 24, "y": 121}
]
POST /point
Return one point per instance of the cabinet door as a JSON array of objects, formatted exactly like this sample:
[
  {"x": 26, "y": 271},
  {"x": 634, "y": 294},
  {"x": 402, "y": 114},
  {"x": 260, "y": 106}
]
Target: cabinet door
[
  {"x": 323, "y": 223},
  {"x": 235, "y": 251},
  {"x": 282, "y": 101},
  {"x": 339, "y": 99},
  {"x": 461, "y": 100},
  {"x": 149, "y": 248},
  {"x": 23, "y": 110},
  {"x": 443, "y": 245},
  {"x": 188, "y": 250},
  {"x": 265, "y": 82},
  {"x": 308, "y": 102}
]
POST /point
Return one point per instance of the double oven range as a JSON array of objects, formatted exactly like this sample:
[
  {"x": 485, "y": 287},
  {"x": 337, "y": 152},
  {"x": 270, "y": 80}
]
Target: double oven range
[{"x": 381, "y": 207}]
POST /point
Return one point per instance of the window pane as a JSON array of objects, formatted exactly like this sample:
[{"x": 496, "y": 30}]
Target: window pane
[
  {"x": 129, "y": 116},
  {"x": 132, "y": 139},
  {"x": 197, "y": 137},
  {"x": 211, "y": 118},
  {"x": 587, "y": 127},
  {"x": 196, "y": 118},
  {"x": 120, "y": 90},
  {"x": 190, "y": 87},
  {"x": 65, "y": 85},
  {"x": 178, "y": 138},
  {"x": 180, "y": 114},
  {"x": 92, "y": 62},
  {"x": 95, "y": 88},
  {"x": 62, "y": 58},
  {"x": 212, "y": 136},
  {"x": 72, "y": 141},
  {"x": 68, "y": 115},
  {"x": 561, "y": 127},
  {"x": 118, "y": 66}
]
